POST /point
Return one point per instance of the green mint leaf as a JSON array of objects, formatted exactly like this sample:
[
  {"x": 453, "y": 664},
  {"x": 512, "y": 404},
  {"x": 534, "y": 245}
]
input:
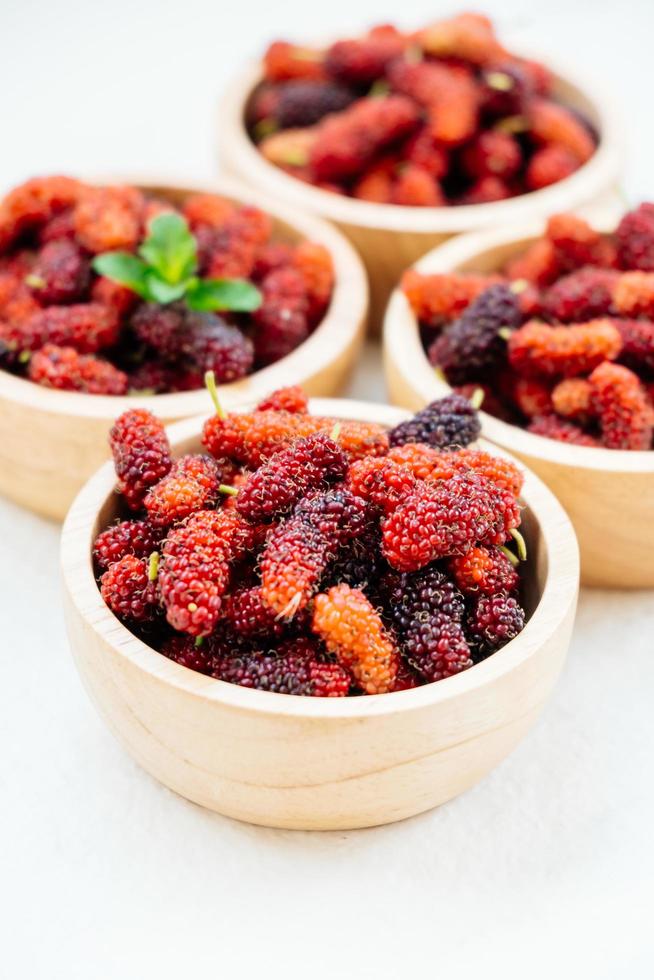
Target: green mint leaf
[
  {"x": 170, "y": 248},
  {"x": 160, "y": 291},
  {"x": 126, "y": 269},
  {"x": 238, "y": 295}
]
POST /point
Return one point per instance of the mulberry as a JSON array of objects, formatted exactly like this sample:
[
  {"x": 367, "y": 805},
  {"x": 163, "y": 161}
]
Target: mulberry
[
  {"x": 496, "y": 619},
  {"x": 634, "y": 238},
  {"x": 63, "y": 368},
  {"x": 447, "y": 423},
  {"x": 274, "y": 489},
  {"x": 352, "y": 630},
  {"x": 625, "y": 413},
  {"x": 473, "y": 345},
  {"x": 136, "y": 538},
  {"x": 191, "y": 485},
  {"x": 538, "y": 349},
  {"x": 61, "y": 273},
  {"x": 486, "y": 570},
  {"x": 446, "y": 518},
  {"x": 128, "y": 589},
  {"x": 141, "y": 453}
]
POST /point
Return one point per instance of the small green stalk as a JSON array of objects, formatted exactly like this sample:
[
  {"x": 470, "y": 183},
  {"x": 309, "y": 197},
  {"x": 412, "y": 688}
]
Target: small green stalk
[
  {"x": 515, "y": 561},
  {"x": 199, "y": 640},
  {"x": 504, "y": 332},
  {"x": 36, "y": 282},
  {"x": 153, "y": 566},
  {"x": 210, "y": 382},
  {"x": 499, "y": 81},
  {"x": 520, "y": 542},
  {"x": 226, "y": 489},
  {"x": 477, "y": 398},
  {"x": 335, "y": 433}
]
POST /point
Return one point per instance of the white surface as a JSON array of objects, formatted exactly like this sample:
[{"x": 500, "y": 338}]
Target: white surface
[{"x": 544, "y": 869}]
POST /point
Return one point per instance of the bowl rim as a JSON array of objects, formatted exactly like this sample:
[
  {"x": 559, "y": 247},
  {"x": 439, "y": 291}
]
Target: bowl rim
[
  {"x": 348, "y": 307},
  {"x": 593, "y": 177},
  {"x": 558, "y": 595},
  {"x": 403, "y": 348}
]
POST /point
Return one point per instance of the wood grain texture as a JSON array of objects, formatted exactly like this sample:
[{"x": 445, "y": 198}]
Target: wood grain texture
[
  {"x": 52, "y": 441},
  {"x": 313, "y": 763},
  {"x": 608, "y": 494},
  {"x": 391, "y": 238}
]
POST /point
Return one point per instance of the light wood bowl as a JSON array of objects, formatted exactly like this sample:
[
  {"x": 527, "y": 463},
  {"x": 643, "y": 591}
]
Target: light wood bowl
[
  {"x": 608, "y": 493},
  {"x": 319, "y": 764},
  {"x": 52, "y": 441},
  {"x": 391, "y": 238}
]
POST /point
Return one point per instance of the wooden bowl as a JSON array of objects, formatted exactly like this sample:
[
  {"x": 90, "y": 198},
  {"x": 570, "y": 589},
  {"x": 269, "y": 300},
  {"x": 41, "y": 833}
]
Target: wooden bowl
[
  {"x": 52, "y": 441},
  {"x": 311, "y": 763},
  {"x": 608, "y": 493},
  {"x": 390, "y": 238}
]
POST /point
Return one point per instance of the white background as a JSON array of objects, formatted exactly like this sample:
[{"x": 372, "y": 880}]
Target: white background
[{"x": 544, "y": 869}]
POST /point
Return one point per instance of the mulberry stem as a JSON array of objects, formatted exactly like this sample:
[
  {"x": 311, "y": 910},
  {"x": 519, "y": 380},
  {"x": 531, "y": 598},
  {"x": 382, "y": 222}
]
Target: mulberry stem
[
  {"x": 210, "y": 382},
  {"x": 520, "y": 541}
]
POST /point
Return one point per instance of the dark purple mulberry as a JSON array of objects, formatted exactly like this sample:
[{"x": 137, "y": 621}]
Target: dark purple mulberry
[
  {"x": 472, "y": 346},
  {"x": 448, "y": 423},
  {"x": 61, "y": 273}
]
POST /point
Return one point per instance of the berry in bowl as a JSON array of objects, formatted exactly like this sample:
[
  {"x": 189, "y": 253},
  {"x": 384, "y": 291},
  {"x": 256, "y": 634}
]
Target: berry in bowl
[
  {"x": 556, "y": 325},
  {"x": 324, "y": 615},
  {"x": 126, "y": 292},
  {"x": 418, "y": 135}
]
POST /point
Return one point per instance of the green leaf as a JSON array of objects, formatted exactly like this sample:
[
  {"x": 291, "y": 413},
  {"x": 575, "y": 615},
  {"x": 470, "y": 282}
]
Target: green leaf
[
  {"x": 160, "y": 291},
  {"x": 170, "y": 248},
  {"x": 126, "y": 269},
  {"x": 238, "y": 295}
]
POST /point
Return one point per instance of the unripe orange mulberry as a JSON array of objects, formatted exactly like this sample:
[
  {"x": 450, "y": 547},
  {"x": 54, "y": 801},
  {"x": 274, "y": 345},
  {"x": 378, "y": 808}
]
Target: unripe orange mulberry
[{"x": 352, "y": 630}]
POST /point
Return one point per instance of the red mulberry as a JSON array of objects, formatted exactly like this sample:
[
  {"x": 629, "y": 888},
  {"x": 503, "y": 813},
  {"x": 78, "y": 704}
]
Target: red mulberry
[
  {"x": 555, "y": 428},
  {"x": 141, "y": 453},
  {"x": 553, "y": 123},
  {"x": 251, "y": 438},
  {"x": 291, "y": 399},
  {"x": 191, "y": 485},
  {"x": 582, "y": 295},
  {"x": 274, "y": 489},
  {"x": 440, "y": 297},
  {"x": 128, "y": 589},
  {"x": 625, "y": 413},
  {"x": 88, "y": 327},
  {"x": 380, "y": 481},
  {"x": 347, "y": 142},
  {"x": 538, "y": 349},
  {"x": 63, "y": 368},
  {"x": 446, "y": 518},
  {"x": 486, "y": 570},
  {"x": 109, "y": 218},
  {"x": 125, "y": 538},
  {"x": 281, "y": 321},
  {"x": 61, "y": 273},
  {"x": 634, "y": 238}
]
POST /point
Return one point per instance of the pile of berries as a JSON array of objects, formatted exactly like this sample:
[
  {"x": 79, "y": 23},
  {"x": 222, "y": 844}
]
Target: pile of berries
[
  {"x": 304, "y": 555},
  {"x": 562, "y": 340},
  {"x": 220, "y": 292},
  {"x": 439, "y": 116}
]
